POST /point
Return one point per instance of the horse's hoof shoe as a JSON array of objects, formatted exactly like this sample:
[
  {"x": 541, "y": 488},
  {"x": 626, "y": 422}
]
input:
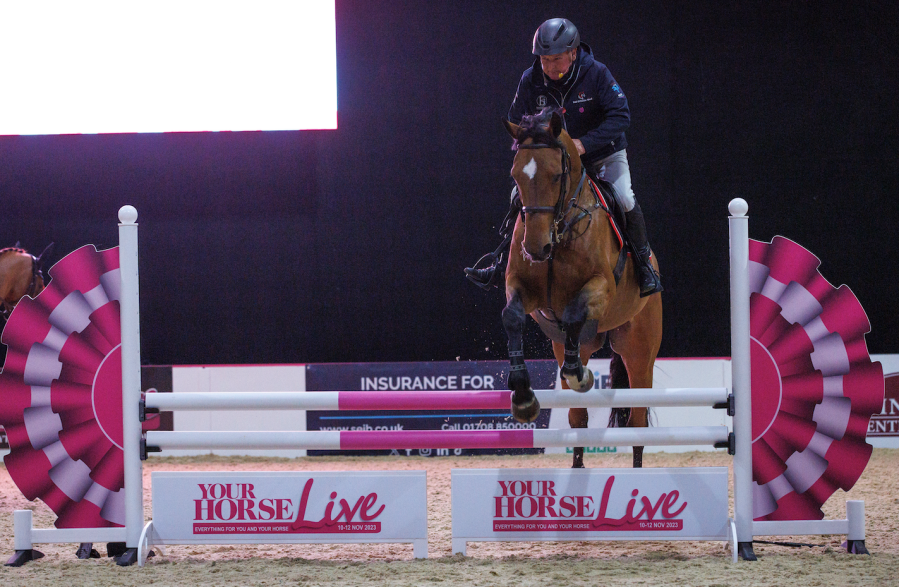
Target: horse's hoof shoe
[
  {"x": 583, "y": 385},
  {"x": 526, "y": 412}
]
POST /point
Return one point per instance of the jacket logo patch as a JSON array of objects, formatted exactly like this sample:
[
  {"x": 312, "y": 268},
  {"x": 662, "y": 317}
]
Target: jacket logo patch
[
  {"x": 541, "y": 101},
  {"x": 581, "y": 98}
]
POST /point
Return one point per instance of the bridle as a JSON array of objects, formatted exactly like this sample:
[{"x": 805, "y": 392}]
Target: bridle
[
  {"x": 561, "y": 229},
  {"x": 562, "y": 232},
  {"x": 6, "y": 308}
]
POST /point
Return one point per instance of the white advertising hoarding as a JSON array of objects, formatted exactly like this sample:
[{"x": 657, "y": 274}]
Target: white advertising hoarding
[
  {"x": 491, "y": 505},
  {"x": 286, "y": 507},
  {"x": 883, "y": 429}
]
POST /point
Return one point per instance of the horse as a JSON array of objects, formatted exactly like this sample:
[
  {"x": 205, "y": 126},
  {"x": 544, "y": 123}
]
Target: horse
[
  {"x": 562, "y": 272},
  {"x": 21, "y": 274}
]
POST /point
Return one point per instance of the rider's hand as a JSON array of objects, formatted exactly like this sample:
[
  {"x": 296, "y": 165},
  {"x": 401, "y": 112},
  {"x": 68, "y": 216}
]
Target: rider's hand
[{"x": 580, "y": 146}]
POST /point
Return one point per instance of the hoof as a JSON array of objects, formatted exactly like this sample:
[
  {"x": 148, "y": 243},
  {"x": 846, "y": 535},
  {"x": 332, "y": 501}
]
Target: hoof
[
  {"x": 526, "y": 412},
  {"x": 577, "y": 461},
  {"x": 582, "y": 385},
  {"x": 86, "y": 550}
]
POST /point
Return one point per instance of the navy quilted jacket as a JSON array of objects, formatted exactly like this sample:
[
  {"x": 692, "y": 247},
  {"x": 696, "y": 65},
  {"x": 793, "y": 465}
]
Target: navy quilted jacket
[{"x": 595, "y": 108}]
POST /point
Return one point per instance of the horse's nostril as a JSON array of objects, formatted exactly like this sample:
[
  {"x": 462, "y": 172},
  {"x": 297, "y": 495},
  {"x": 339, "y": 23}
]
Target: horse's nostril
[{"x": 547, "y": 249}]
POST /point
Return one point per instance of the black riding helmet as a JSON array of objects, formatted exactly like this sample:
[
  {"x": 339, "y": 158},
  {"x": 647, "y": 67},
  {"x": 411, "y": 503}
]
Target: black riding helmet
[{"x": 555, "y": 36}]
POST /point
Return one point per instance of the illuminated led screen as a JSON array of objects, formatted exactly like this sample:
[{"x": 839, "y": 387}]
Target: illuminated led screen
[{"x": 92, "y": 66}]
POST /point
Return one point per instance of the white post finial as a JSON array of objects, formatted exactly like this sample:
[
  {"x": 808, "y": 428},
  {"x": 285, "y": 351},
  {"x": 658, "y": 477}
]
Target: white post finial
[
  {"x": 128, "y": 215},
  {"x": 738, "y": 207}
]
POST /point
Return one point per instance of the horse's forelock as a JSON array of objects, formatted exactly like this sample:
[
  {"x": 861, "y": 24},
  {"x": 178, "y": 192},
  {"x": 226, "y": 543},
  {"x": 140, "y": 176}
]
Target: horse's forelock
[{"x": 537, "y": 127}]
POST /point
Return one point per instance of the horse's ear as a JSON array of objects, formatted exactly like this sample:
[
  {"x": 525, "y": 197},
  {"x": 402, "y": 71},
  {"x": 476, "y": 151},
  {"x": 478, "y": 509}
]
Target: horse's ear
[
  {"x": 511, "y": 128},
  {"x": 555, "y": 124},
  {"x": 40, "y": 259}
]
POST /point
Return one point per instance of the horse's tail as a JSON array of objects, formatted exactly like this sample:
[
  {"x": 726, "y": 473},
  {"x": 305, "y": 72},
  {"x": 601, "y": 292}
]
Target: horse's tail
[{"x": 618, "y": 379}]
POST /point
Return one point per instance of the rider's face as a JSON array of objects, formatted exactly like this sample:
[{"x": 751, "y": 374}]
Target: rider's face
[{"x": 556, "y": 66}]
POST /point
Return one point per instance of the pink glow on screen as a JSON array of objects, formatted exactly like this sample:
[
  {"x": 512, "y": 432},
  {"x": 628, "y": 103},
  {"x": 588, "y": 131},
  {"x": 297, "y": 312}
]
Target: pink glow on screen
[{"x": 100, "y": 66}]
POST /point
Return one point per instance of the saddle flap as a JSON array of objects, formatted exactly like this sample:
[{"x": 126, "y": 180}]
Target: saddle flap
[{"x": 605, "y": 193}]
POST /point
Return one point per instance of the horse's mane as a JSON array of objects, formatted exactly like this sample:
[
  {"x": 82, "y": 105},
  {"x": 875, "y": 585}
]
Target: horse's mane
[
  {"x": 15, "y": 249},
  {"x": 536, "y": 126}
]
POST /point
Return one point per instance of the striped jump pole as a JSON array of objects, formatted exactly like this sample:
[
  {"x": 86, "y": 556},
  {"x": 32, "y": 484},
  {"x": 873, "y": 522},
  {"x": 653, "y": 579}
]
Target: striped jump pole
[
  {"x": 433, "y": 400},
  {"x": 413, "y": 439}
]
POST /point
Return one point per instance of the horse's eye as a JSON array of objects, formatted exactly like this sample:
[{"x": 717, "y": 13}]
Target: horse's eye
[{"x": 557, "y": 178}]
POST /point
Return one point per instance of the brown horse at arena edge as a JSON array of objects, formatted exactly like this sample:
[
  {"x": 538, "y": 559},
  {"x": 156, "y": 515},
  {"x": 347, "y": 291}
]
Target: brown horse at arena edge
[
  {"x": 562, "y": 272},
  {"x": 21, "y": 274}
]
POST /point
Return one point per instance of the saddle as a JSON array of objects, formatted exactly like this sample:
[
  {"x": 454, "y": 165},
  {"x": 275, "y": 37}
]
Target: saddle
[{"x": 605, "y": 193}]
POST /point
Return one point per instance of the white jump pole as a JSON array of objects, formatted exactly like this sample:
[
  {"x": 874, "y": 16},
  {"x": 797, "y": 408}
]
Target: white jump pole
[
  {"x": 130, "y": 317},
  {"x": 437, "y": 400},
  {"x": 740, "y": 373},
  {"x": 380, "y": 440}
]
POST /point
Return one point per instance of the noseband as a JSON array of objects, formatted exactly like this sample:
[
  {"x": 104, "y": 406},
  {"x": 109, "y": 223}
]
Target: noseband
[{"x": 559, "y": 231}]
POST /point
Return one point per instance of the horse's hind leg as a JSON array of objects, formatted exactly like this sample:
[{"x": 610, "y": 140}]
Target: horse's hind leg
[
  {"x": 639, "y": 419},
  {"x": 577, "y": 418},
  {"x": 625, "y": 417},
  {"x": 637, "y": 344}
]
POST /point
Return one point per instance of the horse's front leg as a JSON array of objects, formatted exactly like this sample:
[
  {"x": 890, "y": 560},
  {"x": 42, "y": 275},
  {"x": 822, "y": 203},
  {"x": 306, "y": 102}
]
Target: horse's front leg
[
  {"x": 577, "y": 417},
  {"x": 573, "y": 318},
  {"x": 525, "y": 407}
]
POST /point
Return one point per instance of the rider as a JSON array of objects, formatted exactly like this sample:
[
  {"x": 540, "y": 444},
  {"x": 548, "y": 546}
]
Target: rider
[{"x": 595, "y": 114}]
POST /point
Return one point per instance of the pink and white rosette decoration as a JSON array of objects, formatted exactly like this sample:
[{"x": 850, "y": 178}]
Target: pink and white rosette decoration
[
  {"x": 61, "y": 392},
  {"x": 814, "y": 387}
]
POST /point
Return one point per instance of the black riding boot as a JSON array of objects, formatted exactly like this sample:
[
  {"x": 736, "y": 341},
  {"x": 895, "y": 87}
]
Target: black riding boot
[
  {"x": 492, "y": 274},
  {"x": 649, "y": 280}
]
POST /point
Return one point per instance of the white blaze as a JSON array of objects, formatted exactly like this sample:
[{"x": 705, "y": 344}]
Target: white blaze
[{"x": 530, "y": 169}]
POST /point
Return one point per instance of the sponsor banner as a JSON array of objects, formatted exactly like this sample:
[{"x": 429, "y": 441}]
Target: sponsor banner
[
  {"x": 589, "y": 504},
  {"x": 286, "y": 507},
  {"x": 411, "y": 377},
  {"x": 886, "y": 423}
]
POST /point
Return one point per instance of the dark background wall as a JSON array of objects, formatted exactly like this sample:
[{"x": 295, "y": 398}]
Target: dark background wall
[{"x": 349, "y": 245}]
